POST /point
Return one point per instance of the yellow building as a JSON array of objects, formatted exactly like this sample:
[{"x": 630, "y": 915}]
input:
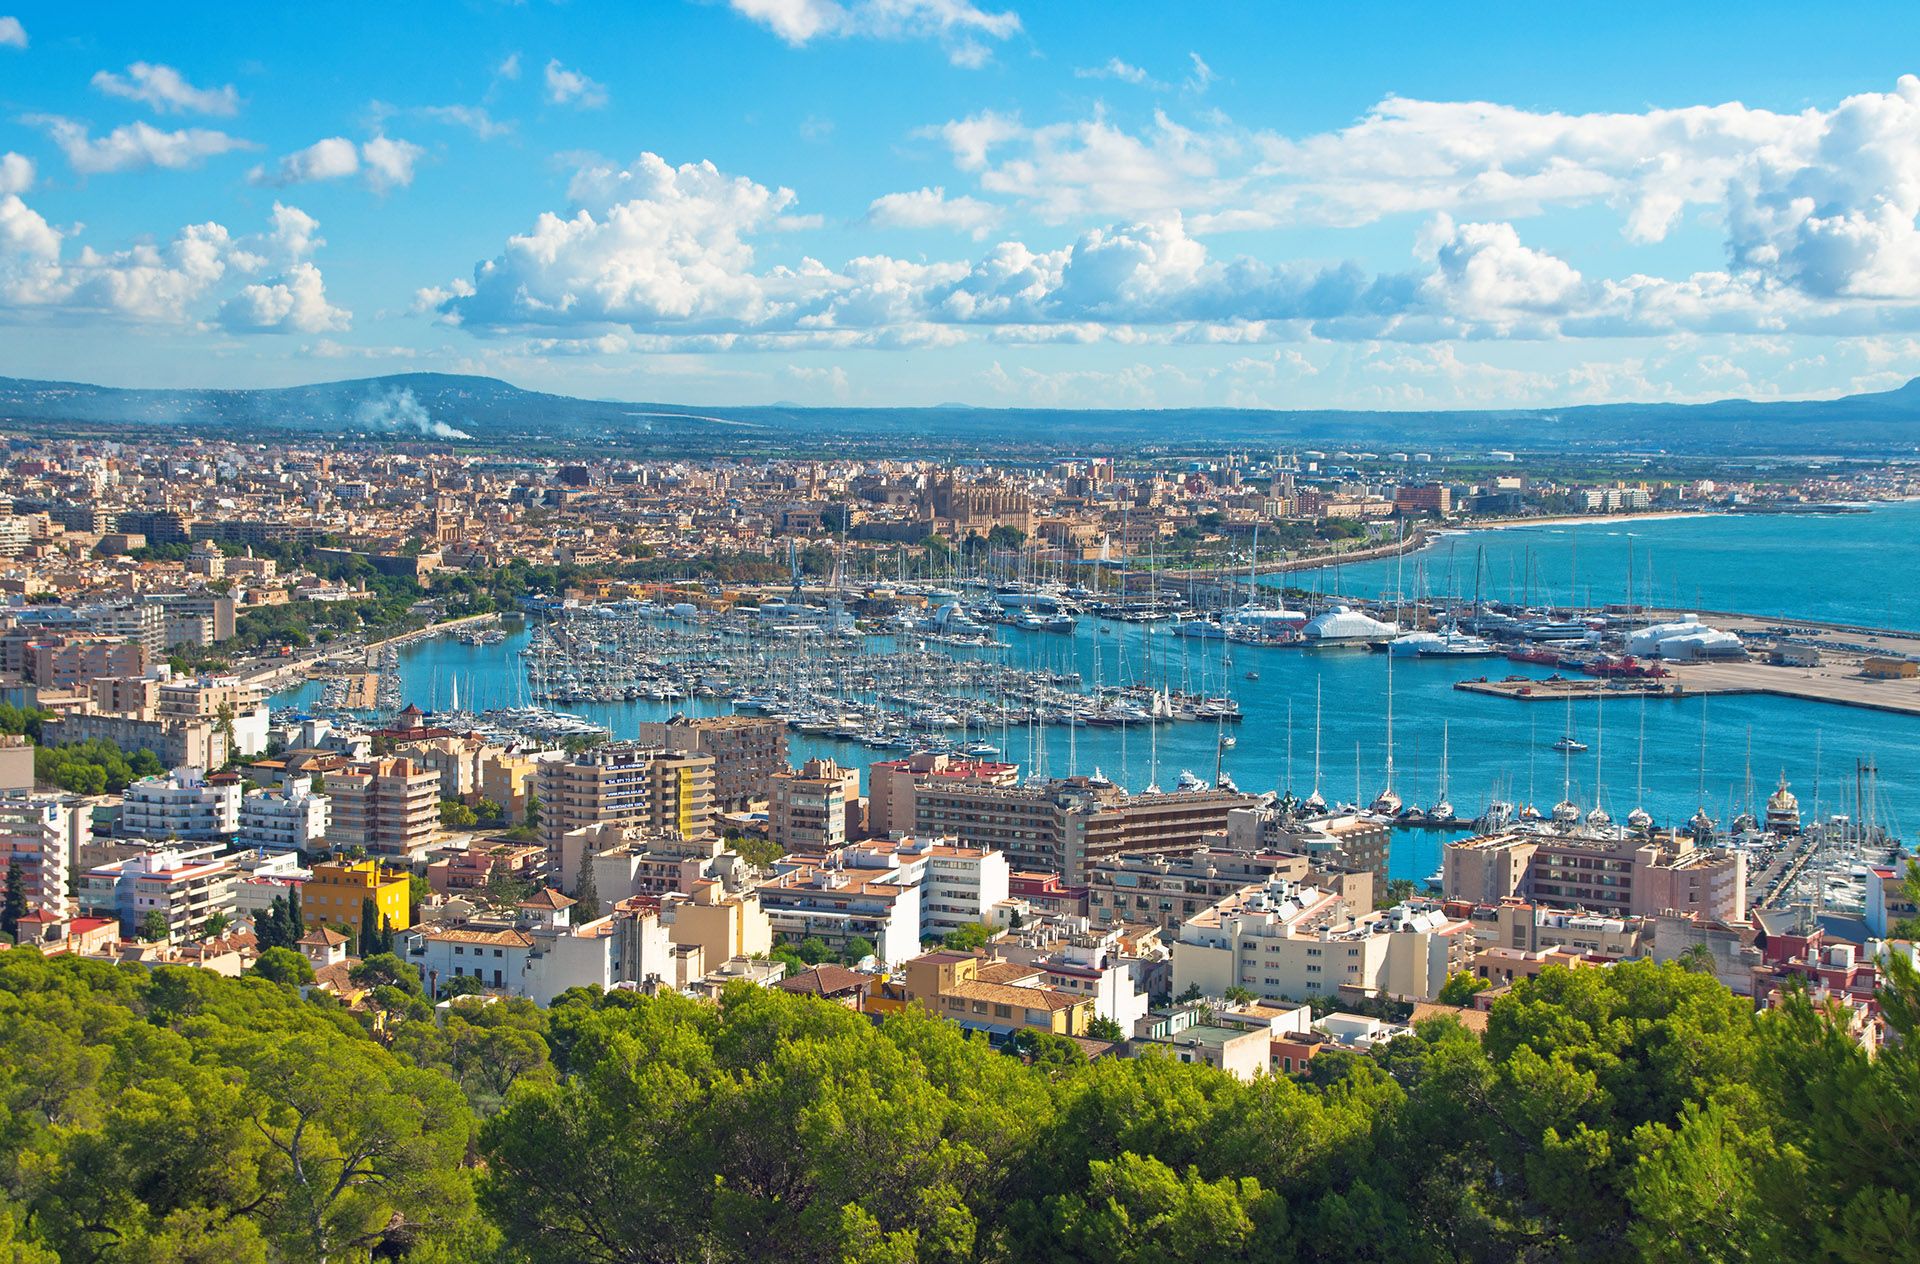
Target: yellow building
[
  {"x": 337, "y": 891},
  {"x": 994, "y": 996}
]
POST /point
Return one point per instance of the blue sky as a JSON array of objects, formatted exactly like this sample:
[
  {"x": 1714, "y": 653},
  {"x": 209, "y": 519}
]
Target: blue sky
[{"x": 992, "y": 202}]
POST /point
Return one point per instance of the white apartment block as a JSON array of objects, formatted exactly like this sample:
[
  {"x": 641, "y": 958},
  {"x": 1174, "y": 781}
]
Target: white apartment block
[
  {"x": 186, "y": 887},
  {"x": 1286, "y": 941},
  {"x": 42, "y": 833},
  {"x": 184, "y": 804},
  {"x": 291, "y": 817}
]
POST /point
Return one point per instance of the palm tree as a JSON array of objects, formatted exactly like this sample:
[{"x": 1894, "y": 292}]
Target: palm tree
[{"x": 1698, "y": 959}]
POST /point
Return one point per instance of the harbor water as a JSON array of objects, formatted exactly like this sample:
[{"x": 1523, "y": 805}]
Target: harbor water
[{"x": 1665, "y": 755}]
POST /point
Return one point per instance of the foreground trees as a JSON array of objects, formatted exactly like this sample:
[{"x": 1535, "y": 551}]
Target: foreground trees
[{"x": 1637, "y": 1113}]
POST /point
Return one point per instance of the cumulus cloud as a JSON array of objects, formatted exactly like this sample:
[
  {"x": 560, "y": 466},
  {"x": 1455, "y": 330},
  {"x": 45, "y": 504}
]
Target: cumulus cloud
[
  {"x": 334, "y": 158},
  {"x": 12, "y": 34},
  {"x": 386, "y": 163},
  {"x": 135, "y": 145},
  {"x": 570, "y": 87},
  {"x": 932, "y": 208},
  {"x": 293, "y": 303},
  {"x": 390, "y": 162},
  {"x": 170, "y": 282},
  {"x": 16, "y": 173},
  {"x": 962, "y": 26},
  {"x": 165, "y": 90},
  {"x": 1818, "y": 208}
]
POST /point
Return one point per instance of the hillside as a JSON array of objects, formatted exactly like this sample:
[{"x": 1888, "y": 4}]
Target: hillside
[{"x": 454, "y": 407}]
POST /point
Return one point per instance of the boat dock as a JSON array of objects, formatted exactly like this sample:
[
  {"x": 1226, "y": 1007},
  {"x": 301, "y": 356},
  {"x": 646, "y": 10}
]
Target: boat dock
[{"x": 1559, "y": 689}]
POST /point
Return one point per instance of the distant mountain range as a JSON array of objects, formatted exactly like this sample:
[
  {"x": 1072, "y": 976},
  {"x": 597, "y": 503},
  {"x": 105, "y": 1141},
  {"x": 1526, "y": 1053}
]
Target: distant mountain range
[{"x": 490, "y": 411}]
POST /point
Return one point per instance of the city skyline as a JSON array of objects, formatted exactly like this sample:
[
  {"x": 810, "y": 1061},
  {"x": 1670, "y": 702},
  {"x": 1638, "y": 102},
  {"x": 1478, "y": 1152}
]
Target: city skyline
[{"x": 913, "y": 202}]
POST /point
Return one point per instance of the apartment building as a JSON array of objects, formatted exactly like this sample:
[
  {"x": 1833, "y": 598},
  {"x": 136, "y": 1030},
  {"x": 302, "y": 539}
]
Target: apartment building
[
  {"x": 626, "y": 783},
  {"x": 1287, "y": 941},
  {"x": 814, "y": 808},
  {"x": 542, "y": 954},
  {"x": 630, "y": 860},
  {"x": 837, "y": 904},
  {"x": 1347, "y": 842},
  {"x": 337, "y": 892},
  {"x": 186, "y": 887},
  {"x": 390, "y": 807},
  {"x": 891, "y": 783},
  {"x": 184, "y": 804},
  {"x": 292, "y": 816},
  {"x": 1064, "y": 826},
  {"x": 173, "y": 741},
  {"x": 41, "y": 834},
  {"x": 747, "y": 751},
  {"x": 962, "y": 886},
  {"x": 998, "y": 997},
  {"x": 1605, "y": 869},
  {"x": 227, "y": 702},
  {"x": 1166, "y": 888},
  {"x": 16, "y": 764}
]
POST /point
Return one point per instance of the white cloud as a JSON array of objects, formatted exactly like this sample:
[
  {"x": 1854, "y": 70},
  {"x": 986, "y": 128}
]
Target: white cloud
[
  {"x": 42, "y": 274},
  {"x": 166, "y": 91},
  {"x": 386, "y": 163},
  {"x": 932, "y": 208},
  {"x": 509, "y": 67},
  {"x": 16, "y": 173},
  {"x": 1202, "y": 76},
  {"x": 390, "y": 162},
  {"x": 1071, "y": 171},
  {"x": 570, "y": 87},
  {"x": 650, "y": 244},
  {"x": 135, "y": 145},
  {"x": 12, "y": 34},
  {"x": 293, "y": 303},
  {"x": 334, "y": 158},
  {"x": 960, "y": 25},
  {"x": 472, "y": 117},
  {"x": 1117, "y": 69}
]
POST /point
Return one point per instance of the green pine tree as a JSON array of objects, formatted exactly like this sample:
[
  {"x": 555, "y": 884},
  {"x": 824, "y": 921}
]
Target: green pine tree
[
  {"x": 296, "y": 920},
  {"x": 15, "y": 907},
  {"x": 586, "y": 893},
  {"x": 369, "y": 928}
]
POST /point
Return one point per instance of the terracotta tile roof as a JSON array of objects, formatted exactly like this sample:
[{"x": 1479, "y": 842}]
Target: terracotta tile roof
[
  {"x": 548, "y": 898},
  {"x": 825, "y": 980},
  {"x": 493, "y": 938},
  {"x": 1007, "y": 994}
]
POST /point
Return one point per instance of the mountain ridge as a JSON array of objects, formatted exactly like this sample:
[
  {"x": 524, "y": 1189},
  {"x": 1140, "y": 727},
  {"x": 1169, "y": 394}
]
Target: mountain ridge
[{"x": 469, "y": 406}]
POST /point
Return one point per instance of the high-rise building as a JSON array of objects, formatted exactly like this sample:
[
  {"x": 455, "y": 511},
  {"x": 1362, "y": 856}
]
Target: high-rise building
[
  {"x": 814, "y": 808},
  {"x": 42, "y": 833},
  {"x": 627, "y": 783},
  {"x": 389, "y": 806},
  {"x": 1063, "y": 826},
  {"x": 747, "y": 751},
  {"x": 1601, "y": 869}
]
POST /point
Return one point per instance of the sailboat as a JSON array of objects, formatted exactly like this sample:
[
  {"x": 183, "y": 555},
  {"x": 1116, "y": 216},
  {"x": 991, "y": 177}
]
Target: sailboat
[
  {"x": 1387, "y": 803},
  {"x": 1569, "y": 744},
  {"x": 1316, "y": 802},
  {"x": 1441, "y": 813}
]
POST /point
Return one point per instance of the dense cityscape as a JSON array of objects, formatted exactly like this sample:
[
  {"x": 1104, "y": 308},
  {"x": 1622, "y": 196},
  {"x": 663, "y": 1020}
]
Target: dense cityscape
[{"x": 1322, "y": 754}]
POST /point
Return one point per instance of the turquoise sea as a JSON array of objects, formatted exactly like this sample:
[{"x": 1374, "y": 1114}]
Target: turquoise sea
[{"x": 1848, "y": 568}]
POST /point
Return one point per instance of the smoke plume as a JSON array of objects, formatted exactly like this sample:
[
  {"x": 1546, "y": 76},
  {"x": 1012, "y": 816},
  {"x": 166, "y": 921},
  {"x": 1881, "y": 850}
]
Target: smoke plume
[{"x": 398, "y": 410}]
